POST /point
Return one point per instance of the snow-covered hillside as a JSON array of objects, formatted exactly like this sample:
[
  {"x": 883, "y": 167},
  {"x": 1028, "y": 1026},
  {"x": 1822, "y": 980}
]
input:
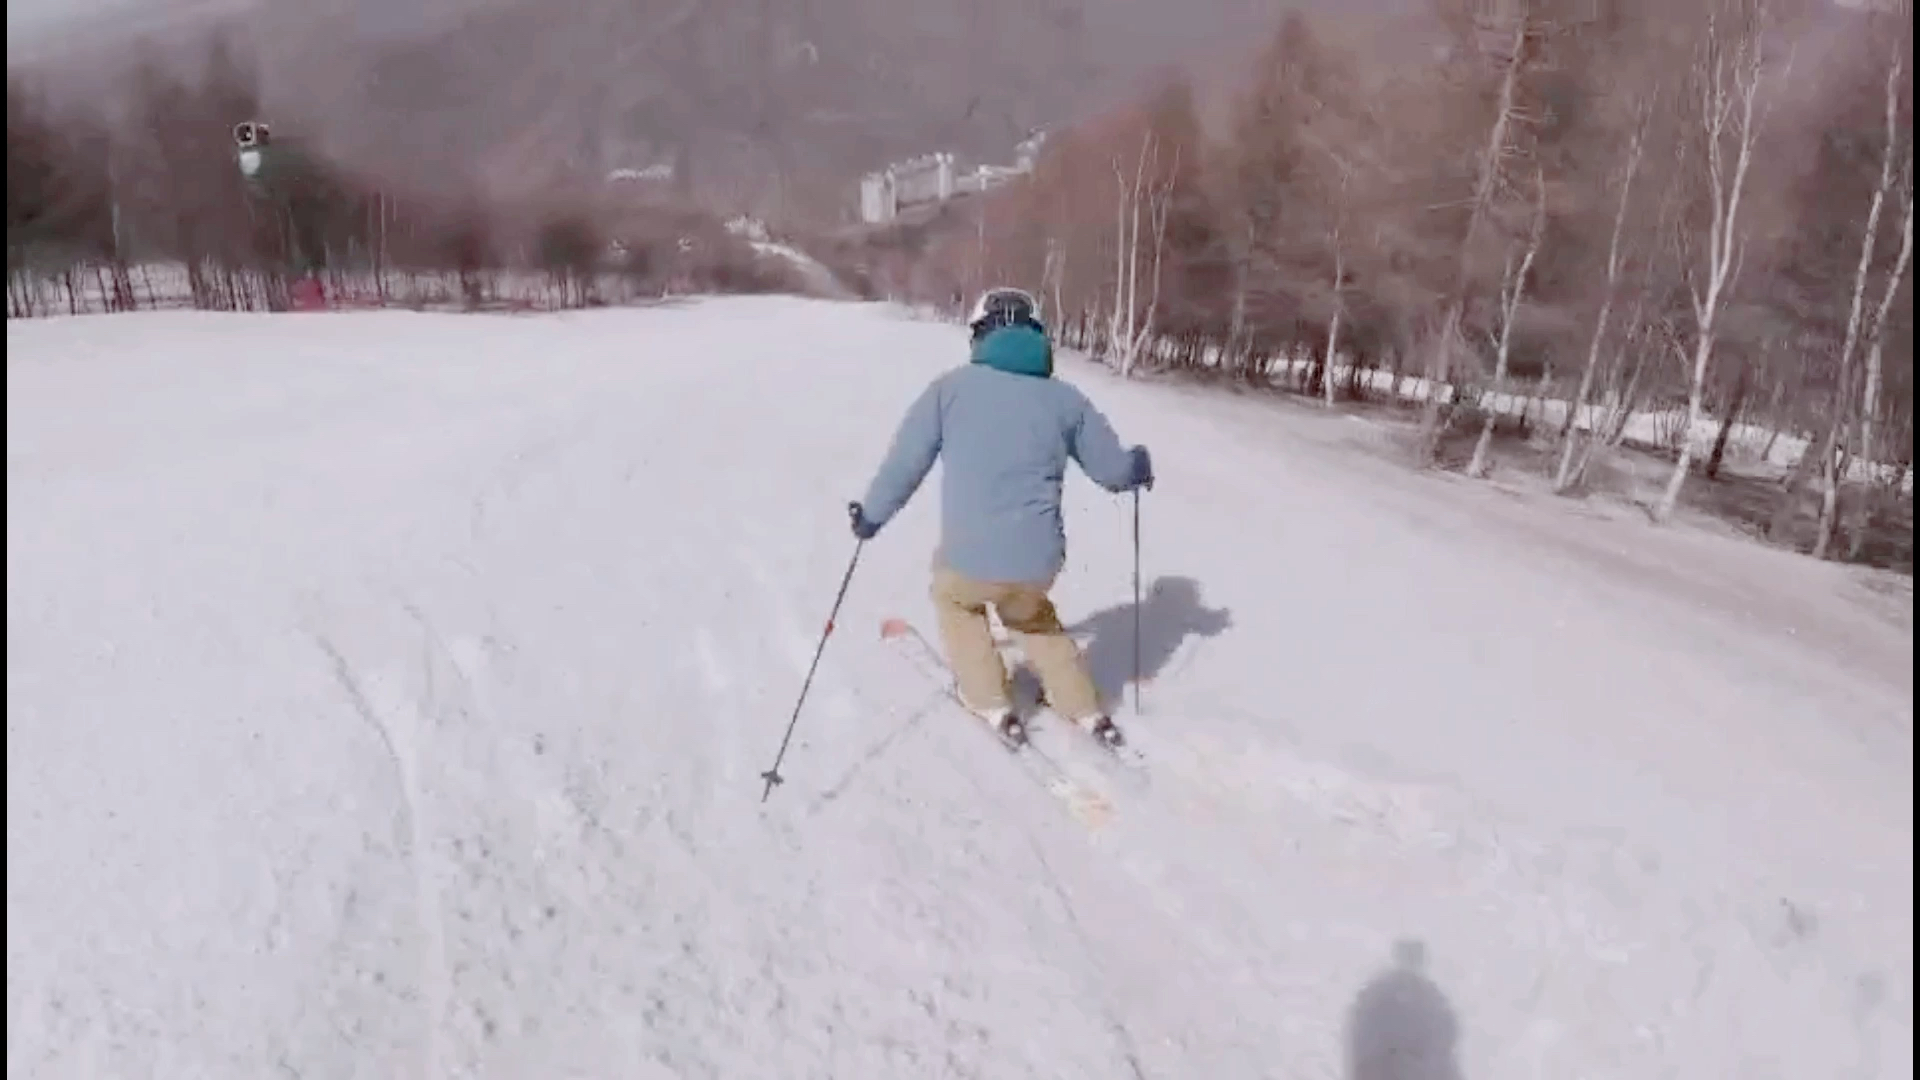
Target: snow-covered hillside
[{"x": 387, "y": 694}]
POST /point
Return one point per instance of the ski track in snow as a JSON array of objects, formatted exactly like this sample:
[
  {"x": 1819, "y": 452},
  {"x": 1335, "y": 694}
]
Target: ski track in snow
[{"x": 387, "y": 695}]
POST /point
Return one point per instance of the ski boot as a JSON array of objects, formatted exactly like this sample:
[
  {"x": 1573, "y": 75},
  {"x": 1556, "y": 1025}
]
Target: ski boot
[
  {"x": 1104, "y": 729},
  {"x": 1005, "y": 723}
]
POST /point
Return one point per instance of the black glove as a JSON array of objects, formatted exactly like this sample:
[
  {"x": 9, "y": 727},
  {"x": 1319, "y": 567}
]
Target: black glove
[
  {"x": 1142, "y": 468},
  {"x": 862, "y": 528}
]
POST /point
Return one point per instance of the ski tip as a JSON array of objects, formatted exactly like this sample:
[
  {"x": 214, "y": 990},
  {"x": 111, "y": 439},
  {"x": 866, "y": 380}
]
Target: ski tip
[{"x": 893, "y": 628}]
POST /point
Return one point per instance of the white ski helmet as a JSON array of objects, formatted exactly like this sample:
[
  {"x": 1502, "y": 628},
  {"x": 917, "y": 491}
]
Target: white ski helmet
[{"x": 1003, "y": 306}]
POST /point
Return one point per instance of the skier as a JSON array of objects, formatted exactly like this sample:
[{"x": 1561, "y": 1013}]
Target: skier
[{"x": 1006, "y": 428}]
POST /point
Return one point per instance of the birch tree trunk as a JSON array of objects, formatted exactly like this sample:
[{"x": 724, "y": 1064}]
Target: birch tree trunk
[
  {"x": 1730, "y": 83},
  {"x": 1120, "y": 320},
  {"x": 1867, "y": 449},
  {"x": 1131, "y": 327},
  {"x": 1845, "y": 417},
  {"x": 1158, "y": 210},
  {"x": 1439, "y": 359},
  {"x": 1569, "y": 427},
  {"x": 1333, "y": 331},
  {"x": 1511, "y": 292}
]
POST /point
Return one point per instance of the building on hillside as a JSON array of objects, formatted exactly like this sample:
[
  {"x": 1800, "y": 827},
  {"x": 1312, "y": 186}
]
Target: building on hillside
[
  {"x": 878, "y": 203},
  {"x": 925, "y": 179},
  {"x": 931, "y": 178}
]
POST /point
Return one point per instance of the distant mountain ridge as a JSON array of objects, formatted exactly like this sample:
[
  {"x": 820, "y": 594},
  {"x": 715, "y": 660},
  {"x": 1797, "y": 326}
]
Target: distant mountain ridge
[{"x": 766, "y": 106}]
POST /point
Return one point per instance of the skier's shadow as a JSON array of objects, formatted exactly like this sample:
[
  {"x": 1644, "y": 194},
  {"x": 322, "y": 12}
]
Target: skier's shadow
[
  {"x": 1170, "y": 612},
  {"x": 1400, "y": 1026}
]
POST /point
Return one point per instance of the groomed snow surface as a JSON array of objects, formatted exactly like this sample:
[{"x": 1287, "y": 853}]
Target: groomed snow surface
[{"x": 387, "y": 694}]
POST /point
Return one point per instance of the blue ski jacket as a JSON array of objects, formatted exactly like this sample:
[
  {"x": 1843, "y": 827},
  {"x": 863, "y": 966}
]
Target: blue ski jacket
[{"x": 1005, "y": 429}]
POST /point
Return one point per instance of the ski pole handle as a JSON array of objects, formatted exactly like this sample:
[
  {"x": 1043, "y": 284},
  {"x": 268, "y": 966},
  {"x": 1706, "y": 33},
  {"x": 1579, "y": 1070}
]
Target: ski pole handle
[{"x": 863, "y": 529}]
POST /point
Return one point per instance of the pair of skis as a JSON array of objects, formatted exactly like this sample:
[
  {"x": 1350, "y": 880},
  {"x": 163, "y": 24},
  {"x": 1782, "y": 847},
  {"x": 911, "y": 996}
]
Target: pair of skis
[{"x": 1084, "y": 802}]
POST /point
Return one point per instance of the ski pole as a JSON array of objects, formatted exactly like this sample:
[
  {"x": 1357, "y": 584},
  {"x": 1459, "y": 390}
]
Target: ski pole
[
  {"x": 1137, "y": 665},
  {"x": 772, "y": 775}
]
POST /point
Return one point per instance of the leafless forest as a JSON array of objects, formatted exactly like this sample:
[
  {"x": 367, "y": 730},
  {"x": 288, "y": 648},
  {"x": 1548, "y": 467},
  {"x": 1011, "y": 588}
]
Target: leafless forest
[{"x": 1563, "y": 235}]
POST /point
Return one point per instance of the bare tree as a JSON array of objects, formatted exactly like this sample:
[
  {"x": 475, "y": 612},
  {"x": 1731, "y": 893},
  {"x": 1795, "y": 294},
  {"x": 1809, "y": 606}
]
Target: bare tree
[
  {"x": 1636, "y": 147},
  {"x": 1339, "y": 193},
  {"x": 1857, "y": 326},
  {"x": 1054, "y": 273},
  {"x": 1487, "y": 179},
  {"x": 1513, "y": 288},
  {"x": 1339, "y": 297},
  {"x": 1870, "y": 392},
  {"x": 1145, "y": 195},
  {"x": 1729, "y": 76}
]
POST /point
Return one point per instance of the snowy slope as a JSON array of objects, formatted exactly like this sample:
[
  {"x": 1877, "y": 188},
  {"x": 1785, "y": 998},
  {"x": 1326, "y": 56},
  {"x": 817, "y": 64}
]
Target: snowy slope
[{"x": 386, "y": 695}]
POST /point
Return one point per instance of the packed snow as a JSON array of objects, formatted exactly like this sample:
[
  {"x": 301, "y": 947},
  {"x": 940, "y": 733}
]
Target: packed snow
[{"x": 387, "y": 695}]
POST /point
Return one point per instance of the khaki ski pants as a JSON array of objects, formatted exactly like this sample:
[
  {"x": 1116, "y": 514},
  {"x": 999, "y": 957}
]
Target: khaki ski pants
[{"x": 1028, "y": 614}]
